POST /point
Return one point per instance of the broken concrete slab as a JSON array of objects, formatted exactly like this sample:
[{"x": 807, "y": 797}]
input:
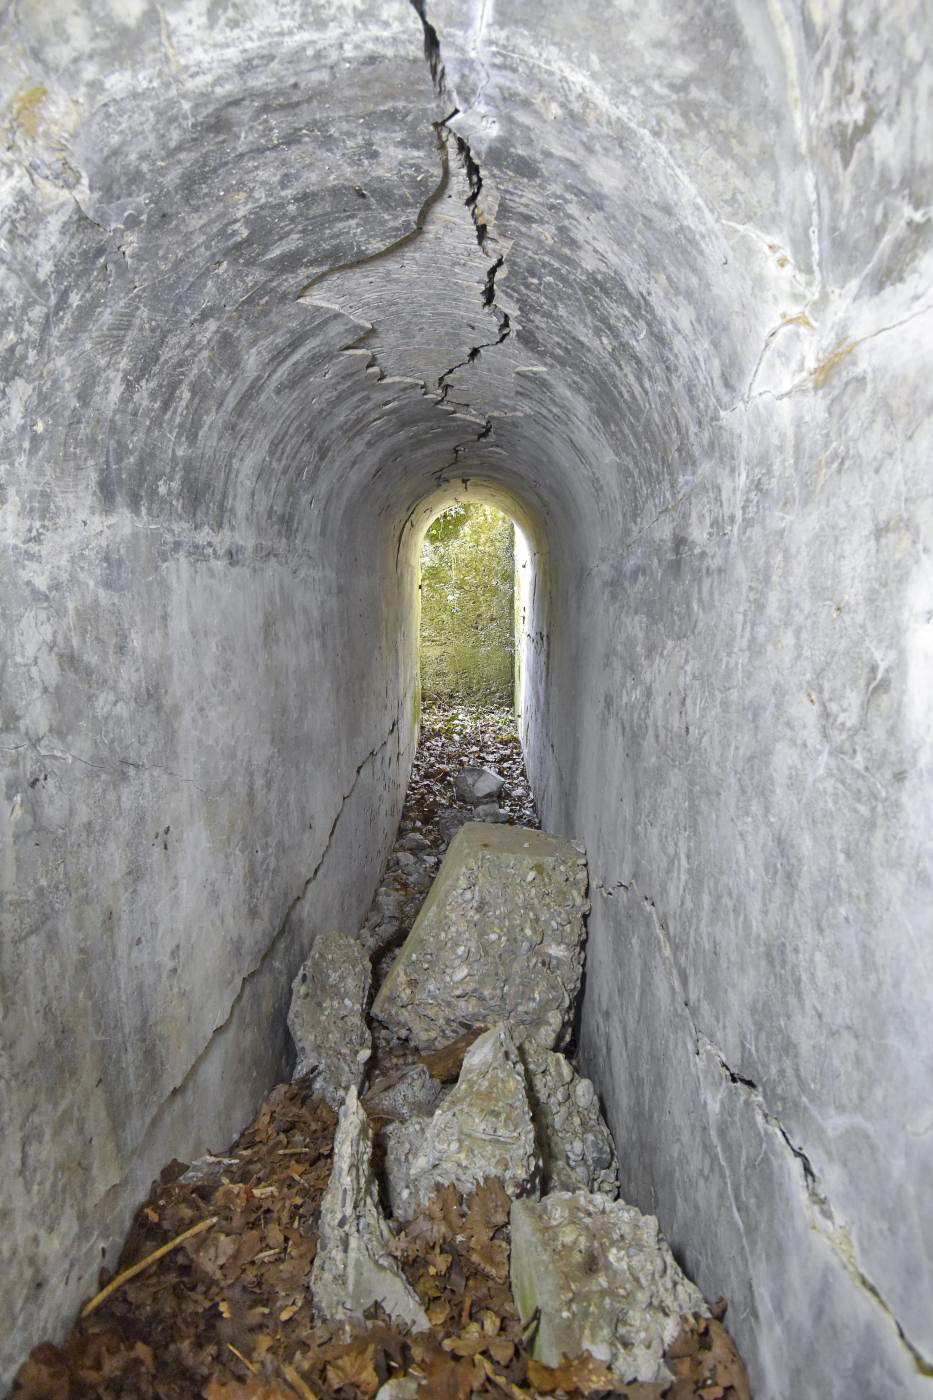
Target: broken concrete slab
[
  {"x": 483, "y": 1128},
  {"x": 354, "y": 1267},
  {"x": 576, "y": 1146},
  {"x": 327, "y": 1016},
  {"x": 498, "y": 938},
  {"x": 476, "y": 785},
  {"x": 403, "y": 1093},
  {"x": 602, "y": 1279}
]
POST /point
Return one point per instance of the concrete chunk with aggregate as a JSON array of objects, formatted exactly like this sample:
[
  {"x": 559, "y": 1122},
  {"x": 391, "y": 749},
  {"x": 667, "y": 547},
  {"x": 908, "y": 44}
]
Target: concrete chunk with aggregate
[
  {"x": 498, "y": 938},
  {"x": 600, "y": 1278},
  {"x": 482, "y": 1129},
  {"x": 576, "y": 1145},
  {"x": 327, "y": 1016},
  {"x": 354, "y": 1267}
]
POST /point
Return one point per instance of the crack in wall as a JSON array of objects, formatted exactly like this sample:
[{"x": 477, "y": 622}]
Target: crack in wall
[
  {"x": 474, "y": 174},
  {"x": 441, "y": 132},
  {"x": 817, "y": 375},
  {"x": 432, "y": 46},
  {"x": 505, "y": 330},
  {"x": 822, "y": 1218},
  {"x": 268, "y": 952},
  {"x": 66, "y": 756}
]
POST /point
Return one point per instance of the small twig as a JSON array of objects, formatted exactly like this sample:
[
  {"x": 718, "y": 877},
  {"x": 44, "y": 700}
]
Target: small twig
[
  {"x": 501, "y": 1381},
  {"x": 297, "y": 1383},
  {"x": 240, "y": 1357},
  {"x": 135, "y": 1269}
]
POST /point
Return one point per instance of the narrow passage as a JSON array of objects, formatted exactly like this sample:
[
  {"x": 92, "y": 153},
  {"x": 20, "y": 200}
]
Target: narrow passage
[{"x": 350, "y": 1258}]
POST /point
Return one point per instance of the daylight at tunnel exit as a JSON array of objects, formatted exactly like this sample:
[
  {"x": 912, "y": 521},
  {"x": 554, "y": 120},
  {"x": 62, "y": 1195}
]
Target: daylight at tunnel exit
[{"x": 466, "y": 700}]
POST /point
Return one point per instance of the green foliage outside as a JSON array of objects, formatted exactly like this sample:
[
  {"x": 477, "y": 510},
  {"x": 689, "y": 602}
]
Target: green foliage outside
[{"x": 467, "y": 607}]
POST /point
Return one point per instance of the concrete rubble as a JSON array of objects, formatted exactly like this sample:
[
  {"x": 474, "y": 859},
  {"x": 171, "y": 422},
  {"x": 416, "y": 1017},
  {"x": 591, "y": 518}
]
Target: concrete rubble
[
  {"x": 483, "y": 1128},
  {"x": 498, "y": 938},
  {"x": 402, "y": 1094},
  {"x": 409, "y": 872},
  {"x": 354, "y": 1267},
  {"x": 497, "y": 942},
  {"x": 576, "y": 1146},
  {"x": 327, "y": 1016},
  {"x": 601, "y": 1279}
]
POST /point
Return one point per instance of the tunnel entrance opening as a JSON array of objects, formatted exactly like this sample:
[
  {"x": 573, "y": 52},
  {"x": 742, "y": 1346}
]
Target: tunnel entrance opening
[{"x": 468, "y": 614}]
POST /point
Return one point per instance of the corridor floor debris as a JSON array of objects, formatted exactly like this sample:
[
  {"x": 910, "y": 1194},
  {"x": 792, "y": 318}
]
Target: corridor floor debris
[{"x": 225, "y": 1312}]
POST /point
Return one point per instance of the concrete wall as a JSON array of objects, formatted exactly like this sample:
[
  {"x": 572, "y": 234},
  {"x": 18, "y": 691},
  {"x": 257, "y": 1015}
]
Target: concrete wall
[
  {"x": 661, "y": 289},
  {"x": 205, "y": 717}
]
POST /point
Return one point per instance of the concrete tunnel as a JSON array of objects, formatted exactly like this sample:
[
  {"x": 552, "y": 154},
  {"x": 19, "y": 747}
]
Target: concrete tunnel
[{"x": 280, "y": 280}]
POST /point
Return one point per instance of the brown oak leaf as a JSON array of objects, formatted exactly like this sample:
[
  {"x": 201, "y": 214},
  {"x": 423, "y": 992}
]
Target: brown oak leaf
[
  {"x": 582, "y": 1373},
  {"x": 355, "y": 1367}
]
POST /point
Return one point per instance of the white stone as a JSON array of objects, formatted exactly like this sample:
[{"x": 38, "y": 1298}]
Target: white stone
[
  {"x": 478, "y": 785},
  {"x": 399, "y": 1388}
]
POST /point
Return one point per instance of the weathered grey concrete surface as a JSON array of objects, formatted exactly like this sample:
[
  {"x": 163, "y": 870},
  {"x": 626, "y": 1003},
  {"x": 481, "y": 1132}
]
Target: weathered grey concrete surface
[
  {"x": 205, "y": 732},
  {"x": 602, "y": 1279},
  {"x": 242, "y": 294},
  {"x": 354, "y": 1266},
  {"x": 483, "y": 1128},
  {"x": 498, "y": 938},
  {"x": 327, "y": 1015}
]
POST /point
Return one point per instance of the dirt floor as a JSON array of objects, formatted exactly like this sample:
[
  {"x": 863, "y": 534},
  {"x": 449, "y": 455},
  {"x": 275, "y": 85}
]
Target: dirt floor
[{"x": 225, "y": 1313}]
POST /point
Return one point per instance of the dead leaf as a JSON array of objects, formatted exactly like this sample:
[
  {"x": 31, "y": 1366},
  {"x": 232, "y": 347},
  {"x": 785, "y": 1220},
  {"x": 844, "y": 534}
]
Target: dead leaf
[
  {"x": 445, "y": 1064},
  {"x": 445, "y": 1379},
  {"x": 355, "y": 1367},
  {"x": 501, "y": 1350},
  {"x": 488, "y": 1212},
  {"x": 254, "y": 1388},
  {"x": 583, "y": 1373},
  {"x": 468, "y": 1342},
  {"x": 44, "y": 1375},
  {"x": 725, "y": 1363}
]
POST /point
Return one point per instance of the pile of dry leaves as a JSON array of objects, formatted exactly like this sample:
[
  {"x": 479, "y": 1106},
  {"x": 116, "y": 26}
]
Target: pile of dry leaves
[{"x": 225, "y": 1314}]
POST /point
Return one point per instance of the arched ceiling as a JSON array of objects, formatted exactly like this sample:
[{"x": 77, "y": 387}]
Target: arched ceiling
[{"x": 299, "y": 278}]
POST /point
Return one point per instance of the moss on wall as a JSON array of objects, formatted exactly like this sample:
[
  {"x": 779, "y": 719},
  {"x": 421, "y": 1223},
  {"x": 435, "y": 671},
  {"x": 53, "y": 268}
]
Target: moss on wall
[{"x": 467, "y": 607}]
